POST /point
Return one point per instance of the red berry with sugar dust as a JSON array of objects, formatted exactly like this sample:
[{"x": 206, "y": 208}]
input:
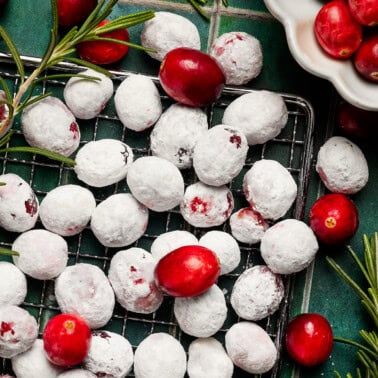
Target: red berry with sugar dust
[
  {"x": 309, "y": 339},
  {"x": 333, "y": 218},
  {"x": 66, "y": 340}
]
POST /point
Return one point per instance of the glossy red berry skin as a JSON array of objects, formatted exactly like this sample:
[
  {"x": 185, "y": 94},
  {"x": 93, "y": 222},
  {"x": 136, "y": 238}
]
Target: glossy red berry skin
[
  {"x": 104, "y": 52},
  {"x": 187, "y": 271},
  {"x": 66, "y": 340},
  {"x": 366, "y": 58},
  {"x": 74, "y": 12},
  {"x": 309, "y": 339},
  {"x": 191, "y": 77},
  {"x": 333, "y": 218},
  {"x": 364, "y": 11},
  {"x": 336, "y": 31}
]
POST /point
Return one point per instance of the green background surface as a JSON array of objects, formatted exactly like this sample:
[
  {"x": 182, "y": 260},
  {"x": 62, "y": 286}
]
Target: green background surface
[{"x": 28, "y": 22}]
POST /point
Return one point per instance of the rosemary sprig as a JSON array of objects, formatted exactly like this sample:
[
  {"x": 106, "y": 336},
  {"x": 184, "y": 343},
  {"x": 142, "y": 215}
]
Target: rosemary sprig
[
  {"x": 57, "y": 51},
  {"x": 8, "y": 252},
  {"x": 368, "y": 348}
]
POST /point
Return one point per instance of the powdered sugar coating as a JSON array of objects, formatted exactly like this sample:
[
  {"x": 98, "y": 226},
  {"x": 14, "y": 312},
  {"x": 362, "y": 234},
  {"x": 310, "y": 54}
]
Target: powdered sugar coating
[
  {"x": 169, "y": 241},
  {"x": 289, "y": 246},
  {"x": 77, "y": 373},
  {"x": 4, "y": 112},
  {"x": 131, "y": 274},
  {"x": 86, "y": 98},
  {"x": 257, "y": 293},
  {"x": 225, "y": 247},
  {"x": 110, "y": 355},
  {"x": 19, "y": 206},
  {"x": 176, "y": 133},
  {"x": 269, "y": 188},
  {"x": 13, "y": 284},
  {"x": 156, "y": 183},
  {"x": 43, "y": 255},
  {"x": 206, "y": 206},
  {"x": 103, "y": 162},
  {"x": 67, "y": 209},
  {"x": 240, "y": 56},
  {"x": 219, "y": 155},
  {"x": 167, "y": 31},
  {"x": 160, "y": 355},
  {"x": 50, "y": 124},
  {"x": 342, "y": 166},
  {"x": 18, "y": 331},
  {"x": 250, "y": 348},
  {"x": 137, "y": 102},
  {"x": 203, "y": 315},
  {"x": 119, "y": 220},
  {"x": 247, "y": 225},
  {"x": 34, "y": 364},
  {"x": 84, "y": 289},
  {"x": 260, "y": 115},
  {"x": 207, "y": 358}
]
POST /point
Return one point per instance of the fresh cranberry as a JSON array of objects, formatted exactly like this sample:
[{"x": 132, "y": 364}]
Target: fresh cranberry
[
  {"x": 191, "y": 77},
  {"x": 366, "y": 59},
  {"x": 309, "y": 339},
  {"x": 66, "y": 339},
  {"x": 105, "y": 52},
  {"x": 187, "y": 271},
  {"x": 364, "y": 11},
  {"x": 333, "y": 218},
  {"x": 337, "y": 32},
  {"x": 74, "y": 12}
]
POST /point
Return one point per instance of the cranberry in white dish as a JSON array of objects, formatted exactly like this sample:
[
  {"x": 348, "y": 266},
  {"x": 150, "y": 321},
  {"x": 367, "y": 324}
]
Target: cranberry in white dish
[
  {"x": 247, "y": 225},
  {"x": 19, "y": 206},
  {"x": 250, "y": 348},
  {"x": 156, "y": 183},
  {"x": 176, "y": 133},
  {"x": 43, "y": 255},
  {"x": 207, "y": 358},
  {"x": 103, "y": 162},
  {"x": 50, "y": 124},
  {"x": 240, "y": 56},
  {"x": 260, "y": 115},
  {"x": 77, "y": 373},
  {"x": 269, "y": 188},
  {"x": 110, "y": 355},
  {"x": 160, "y": 355},
  {"x": 137, "y": 102},
  {"x": 169, "y": 241},
  {"x": 289, "y": 246},
  {"x": 67, "y": 209},
  {"x": 225, "y": 247},
  {"x": 219, "y": 155},
  {"x": 257, "y": 293},
  {"x": 167, "y": 31},
  {"x": 86, "y": 97},
  {"x": 119, "y": 220},
  {"x": 203, "y": 315},
  {"x": 18, "y": 331},
  {"x": 342, "y": 166},
  {"x": 34, "y": 363},
  {"x": 83, "y": 289},
  {"x": 131, "y": 274},
  {"x": 205, "y": 205},
  {"x": 13, "y": 284}
]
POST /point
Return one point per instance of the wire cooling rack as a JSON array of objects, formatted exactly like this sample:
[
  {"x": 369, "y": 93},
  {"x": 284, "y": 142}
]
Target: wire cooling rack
[{"x": 292, "y": 148}]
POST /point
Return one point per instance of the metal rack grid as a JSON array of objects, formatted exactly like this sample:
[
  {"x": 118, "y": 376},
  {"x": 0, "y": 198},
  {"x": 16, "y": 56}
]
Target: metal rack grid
[{"x": 293, "y": 148}]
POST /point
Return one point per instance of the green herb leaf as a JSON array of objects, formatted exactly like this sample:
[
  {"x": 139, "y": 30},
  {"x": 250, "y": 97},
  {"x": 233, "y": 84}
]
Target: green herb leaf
[
  {"x": 8, "y": 252},
  {"x": 199, "y": 9},
  {"x": 8, "y": 93},
  {"x": 13, "y": 50}
]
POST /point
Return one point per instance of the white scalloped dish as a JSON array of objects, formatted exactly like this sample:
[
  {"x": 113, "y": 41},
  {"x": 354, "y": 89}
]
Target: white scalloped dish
[{"x": 298, "y": 18}]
